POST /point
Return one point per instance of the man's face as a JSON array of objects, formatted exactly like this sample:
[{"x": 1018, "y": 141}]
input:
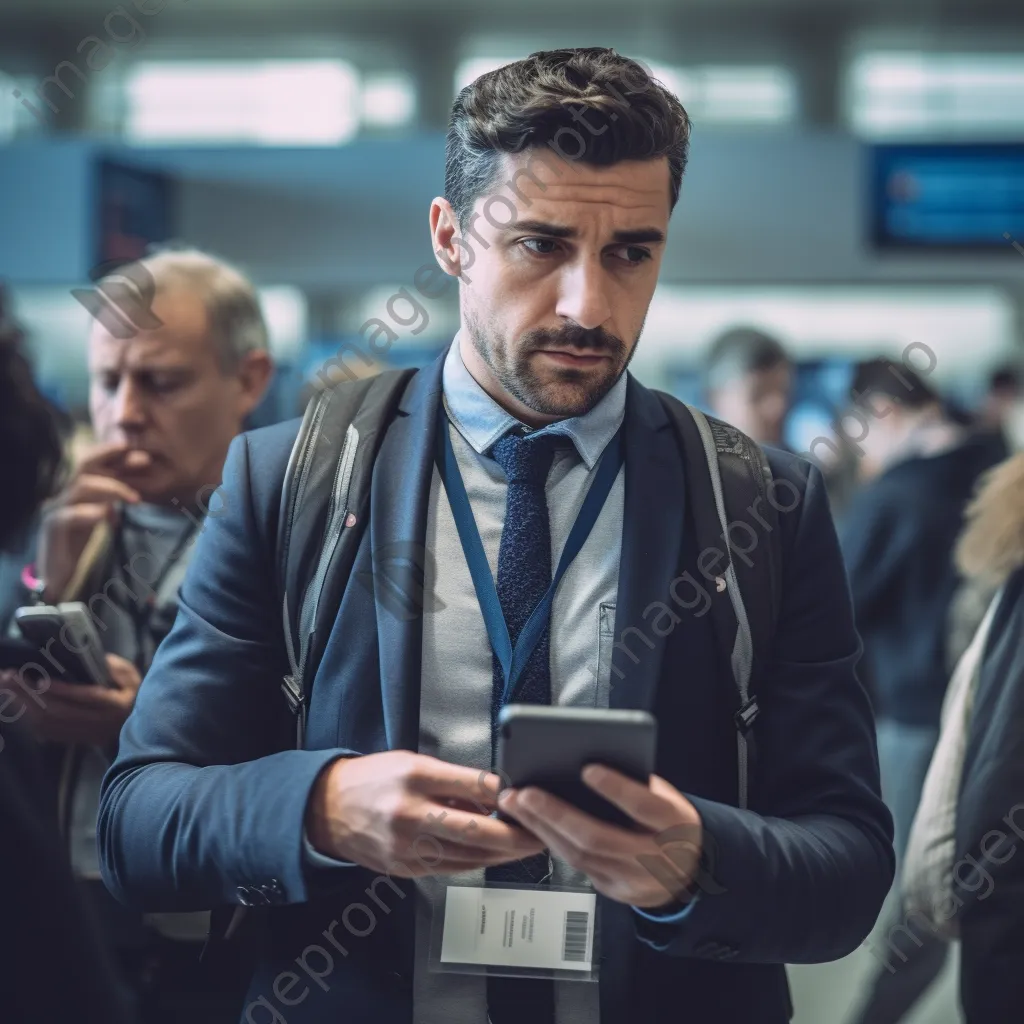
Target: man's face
[
  {"x": 757, "y": 403},
  {"x": 163, "y": 392},
  {"x": 880, "y": 440},
  {"x": 552, "y": 305}
]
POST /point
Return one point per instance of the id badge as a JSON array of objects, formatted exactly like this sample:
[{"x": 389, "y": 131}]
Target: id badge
[{"x": 515, "y": 930}]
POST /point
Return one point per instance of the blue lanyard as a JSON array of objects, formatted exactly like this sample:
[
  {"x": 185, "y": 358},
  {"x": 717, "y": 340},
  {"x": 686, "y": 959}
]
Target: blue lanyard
[{"x": 513, "y": 661}]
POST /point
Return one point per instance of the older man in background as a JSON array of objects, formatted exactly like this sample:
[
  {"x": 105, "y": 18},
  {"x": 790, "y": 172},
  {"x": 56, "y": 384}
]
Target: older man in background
[{"x": 165, "y": 400}]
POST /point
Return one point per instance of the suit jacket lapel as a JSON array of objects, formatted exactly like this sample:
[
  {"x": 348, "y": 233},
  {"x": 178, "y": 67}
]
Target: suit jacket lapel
[
  {"x": 652, "y": 533},
  {"x": 398, "y": 518}
]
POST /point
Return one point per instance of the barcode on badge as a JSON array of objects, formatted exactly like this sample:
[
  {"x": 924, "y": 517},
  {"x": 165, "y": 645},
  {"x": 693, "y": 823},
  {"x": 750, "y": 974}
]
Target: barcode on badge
[{"x": 574, "y": 945}]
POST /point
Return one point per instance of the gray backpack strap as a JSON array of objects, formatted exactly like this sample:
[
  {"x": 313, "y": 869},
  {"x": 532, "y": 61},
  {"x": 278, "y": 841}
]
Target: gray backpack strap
[
  {"x": 720, "y": 443},
  {"x": 325, "y": 494},
  {"x": 728, "y": 480}
]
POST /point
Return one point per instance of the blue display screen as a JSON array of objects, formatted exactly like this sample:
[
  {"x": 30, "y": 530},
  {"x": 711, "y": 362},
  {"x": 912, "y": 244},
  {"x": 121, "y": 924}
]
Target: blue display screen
[
  {"x": 133, "y": 210},
  {"x": 947, "y": 196}
]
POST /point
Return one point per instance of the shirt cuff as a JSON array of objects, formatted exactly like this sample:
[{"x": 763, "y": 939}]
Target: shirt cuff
[
  {"x": 670, "y": 915},
  {"x": 315, "y": 859}
]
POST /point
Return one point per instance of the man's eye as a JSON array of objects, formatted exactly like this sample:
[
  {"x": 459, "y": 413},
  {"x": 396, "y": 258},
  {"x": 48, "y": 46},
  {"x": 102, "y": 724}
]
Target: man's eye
[
  {"x": 109, "y": 383},
  {"x": 540, "y": 242},
  {"x": 633, "y": 254},
  {"x": 163, "y": 385}
]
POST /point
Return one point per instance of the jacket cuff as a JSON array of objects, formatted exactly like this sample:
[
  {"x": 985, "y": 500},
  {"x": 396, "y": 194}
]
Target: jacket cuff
[
  {"x": 658, "y": 928},
  {"x": 315, "y": 859},
  {"x": 672, "y": 913}
]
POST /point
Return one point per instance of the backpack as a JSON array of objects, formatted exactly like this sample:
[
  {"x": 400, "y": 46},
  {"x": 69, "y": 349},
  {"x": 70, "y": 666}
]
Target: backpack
[{"x": 325, "y": 501}]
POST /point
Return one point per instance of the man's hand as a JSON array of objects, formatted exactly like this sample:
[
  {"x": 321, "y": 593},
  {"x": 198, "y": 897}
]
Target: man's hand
[
  {"x": 76, "y": 712},
  {"x": 90, "y": 497},
  {"x": 627, "y": 866},
  {"x": 411, "y": 815}
]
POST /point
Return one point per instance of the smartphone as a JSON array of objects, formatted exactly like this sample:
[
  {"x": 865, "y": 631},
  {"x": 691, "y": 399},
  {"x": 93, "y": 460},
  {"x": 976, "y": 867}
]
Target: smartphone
[
  {"x": 66, "y": 642},
  {"x": 15, "y": 653},
  {"x": 548, "y": 747}
]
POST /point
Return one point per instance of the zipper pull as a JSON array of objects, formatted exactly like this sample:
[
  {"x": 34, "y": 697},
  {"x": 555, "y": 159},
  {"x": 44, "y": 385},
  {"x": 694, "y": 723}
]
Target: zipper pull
[{"x": 292, "y": 693}]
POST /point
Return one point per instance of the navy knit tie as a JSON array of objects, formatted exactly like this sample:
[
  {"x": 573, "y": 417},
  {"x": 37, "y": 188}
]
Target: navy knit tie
[
  {"x": 524, "y": 575},
  {"x": 524, "y": 559}
]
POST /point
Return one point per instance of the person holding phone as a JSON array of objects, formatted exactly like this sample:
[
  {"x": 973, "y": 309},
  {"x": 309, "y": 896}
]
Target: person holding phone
[
  {"x": 165, "y": 401},
  {"x": 562, "y": 170}
]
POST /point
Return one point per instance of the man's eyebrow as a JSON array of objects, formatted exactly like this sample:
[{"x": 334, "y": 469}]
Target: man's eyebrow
[
  {"x": 639, "y": 235},
  {"x": 542, "y": 227},
  {"x": 631, "y": 236},
  {"x": 142, "y": 368}
]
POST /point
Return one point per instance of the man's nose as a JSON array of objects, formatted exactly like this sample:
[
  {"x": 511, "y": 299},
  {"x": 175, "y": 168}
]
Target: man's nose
[
  {"x": 583, "y": 295},
  {"x": 130, "y": 409},
  {"x": 776, "y": 406}
]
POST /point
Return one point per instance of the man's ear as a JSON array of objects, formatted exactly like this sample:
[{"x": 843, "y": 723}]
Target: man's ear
[
  {"x": 454, "y": 254},
  {"x": 254, "y": 372}
]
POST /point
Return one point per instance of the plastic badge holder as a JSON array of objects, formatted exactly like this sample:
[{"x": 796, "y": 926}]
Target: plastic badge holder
[{"x": 514, "y": 930}]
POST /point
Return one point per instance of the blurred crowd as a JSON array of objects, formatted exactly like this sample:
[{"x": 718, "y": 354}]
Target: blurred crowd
[{"x": 929, "y": 505}]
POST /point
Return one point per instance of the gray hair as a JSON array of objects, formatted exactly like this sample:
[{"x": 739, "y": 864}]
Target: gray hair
[{"x": 232, "y": 305}]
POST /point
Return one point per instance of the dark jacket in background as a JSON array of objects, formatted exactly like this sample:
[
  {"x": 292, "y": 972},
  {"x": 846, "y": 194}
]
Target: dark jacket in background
[
  {"x": 53, "y": 968},
  {"x": 989, "y": 868},
  {"x": 898, "y": 536},
  {"x": 990, "y": 820}
]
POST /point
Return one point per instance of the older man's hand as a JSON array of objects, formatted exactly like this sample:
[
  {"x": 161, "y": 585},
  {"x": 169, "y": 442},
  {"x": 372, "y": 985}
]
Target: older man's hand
[{"x": 76, "y": 712}]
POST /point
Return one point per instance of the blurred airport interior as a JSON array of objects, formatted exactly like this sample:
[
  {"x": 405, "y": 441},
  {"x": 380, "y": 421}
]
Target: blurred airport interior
[
  {"x": 855, "y": 169},
  {"x": 855, "y": 188}
]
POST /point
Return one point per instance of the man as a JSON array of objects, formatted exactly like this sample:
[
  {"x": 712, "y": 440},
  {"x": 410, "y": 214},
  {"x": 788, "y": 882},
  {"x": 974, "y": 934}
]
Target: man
[
  {"x": 749, "y": 383},
  {"x": 205, "y": 805},
  {"x": 1002, "y": 399},
  {"x": 920, "y": 470},
  {"x": 997, "y": 420},
  {"x": 165, "y": 402}
]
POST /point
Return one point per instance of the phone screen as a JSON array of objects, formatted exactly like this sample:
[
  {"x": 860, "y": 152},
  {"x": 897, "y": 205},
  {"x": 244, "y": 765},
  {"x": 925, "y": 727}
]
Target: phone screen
[{"x": 49, "y": 652}]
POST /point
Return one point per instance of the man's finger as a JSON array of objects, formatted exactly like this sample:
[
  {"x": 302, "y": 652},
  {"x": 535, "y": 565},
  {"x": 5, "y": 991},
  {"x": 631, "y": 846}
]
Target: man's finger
[
  {"x": 60, "y": 712},
  {"x": 442, "y": 859},
  {"x": 424, "y": 863},
  {"x": 478, "y": 830},
  {"x": 79, "y": 515},
  {"x": 556, "y": 841},
  {"x": 84, "y": 695},
  {"x": 103, "y": 458},
  {"x": 547, "y": 816},
  {"x": 63, "y": 708},
  {"x": 123, "y": 674},
  {"x": 439, "y": 779},
  {"x": 642, "y": 802},
  {"x": 93, "y": 488}
]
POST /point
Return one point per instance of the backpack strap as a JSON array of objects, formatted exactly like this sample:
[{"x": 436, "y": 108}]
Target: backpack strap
[
  {"x": 728, "y": 480},
  {"x": 324, "y": 501}
]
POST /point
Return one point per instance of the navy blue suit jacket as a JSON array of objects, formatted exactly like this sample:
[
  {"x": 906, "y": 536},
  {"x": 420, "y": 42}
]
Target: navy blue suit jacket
[{"x": 205, "y": 802}]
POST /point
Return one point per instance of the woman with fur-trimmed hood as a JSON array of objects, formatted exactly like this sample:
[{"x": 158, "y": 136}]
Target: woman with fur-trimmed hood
[{"x": 990, "y": 812}]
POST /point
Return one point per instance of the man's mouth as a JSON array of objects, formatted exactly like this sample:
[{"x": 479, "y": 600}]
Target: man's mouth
[
  {"x": 574, "y": 357},
  {"x": 138, "y": 460}
]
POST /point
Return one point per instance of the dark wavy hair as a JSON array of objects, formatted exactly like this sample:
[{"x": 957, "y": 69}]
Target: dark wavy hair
[
  {"x": 540, "y": 100},
  {"x": 892, "y": 380},
  {"x": 31, "y": 448}
]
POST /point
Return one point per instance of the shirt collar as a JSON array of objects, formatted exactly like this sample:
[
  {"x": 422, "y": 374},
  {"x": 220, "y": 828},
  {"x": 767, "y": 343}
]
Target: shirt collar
[{"x": 481, "y": 421}]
